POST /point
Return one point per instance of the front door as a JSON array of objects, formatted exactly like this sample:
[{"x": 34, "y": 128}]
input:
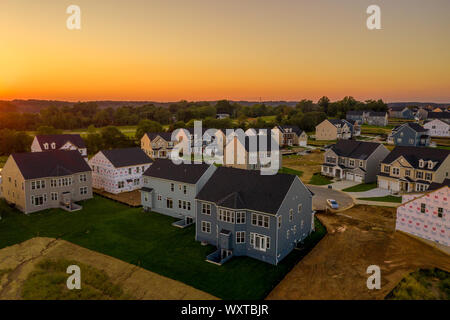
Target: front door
[{"x": 189, "y": 220}]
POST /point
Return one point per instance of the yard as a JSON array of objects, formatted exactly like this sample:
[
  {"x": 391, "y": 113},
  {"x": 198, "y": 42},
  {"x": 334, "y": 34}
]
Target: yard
[
  {"x": 149, "y": 241},
  {"x": 308, "y": 164},
  {"x": 319, "y": 180},
  {"x": 361, "y": 187},
  {"x": 384, "y": 199}
]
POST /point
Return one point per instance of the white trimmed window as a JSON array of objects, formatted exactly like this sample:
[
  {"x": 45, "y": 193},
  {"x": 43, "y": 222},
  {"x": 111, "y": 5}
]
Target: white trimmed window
[
  {"x": 240, "y": 236},
  {"x": 240, "y": 217},
  {"x": 83, "y": 190},
  {"x": 299, "y": 209},
  {"x": 83, "y": 177},
  {"x": 291, "y": 215},
  {"x": 54, "y": 196},
  {"x": 169, "y": 203},
  {"x": 226, "y": 216},
  {"x": 260, "y": 220},
  {"x": 259, "y": 242},
  {"x": 206, "y": 227},
  {"x": 206, "y": 208}
]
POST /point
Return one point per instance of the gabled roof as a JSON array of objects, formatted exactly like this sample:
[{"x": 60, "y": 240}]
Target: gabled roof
[
  {"x": 165, "y": 135},
  {"x": 294, "y": 129},
  {"x": 356, "y": 112},
  {"x": 435, "y": 185},
  {"x": 354, "y": 149},
  {"x": 126, "y": 157},
  {"x": 166, "y": 169},
  {"x": 57, "y": 163},
  {"x": 60, "y": 140},
  {"x": 415, "y": 126},
  {"x": 246, "y": 189},
  {"x": 414, "y": 154},
  {"x": 377, "y": 114},
  {"x": 438, "y": 115},
  {"x": 397, "y": 108}
]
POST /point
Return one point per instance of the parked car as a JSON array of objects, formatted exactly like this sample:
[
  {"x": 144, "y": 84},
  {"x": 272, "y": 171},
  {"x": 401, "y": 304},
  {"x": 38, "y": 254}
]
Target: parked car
[{"x": 332, "y": 203}]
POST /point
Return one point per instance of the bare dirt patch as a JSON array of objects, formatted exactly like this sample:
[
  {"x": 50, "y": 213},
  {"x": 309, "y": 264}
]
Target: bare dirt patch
[
  {"x": 132, "y": 198},
  {"x": 357, "y": 238},
  {"x": 21, "y": 259},
  {"x": 308, "y": 164}
]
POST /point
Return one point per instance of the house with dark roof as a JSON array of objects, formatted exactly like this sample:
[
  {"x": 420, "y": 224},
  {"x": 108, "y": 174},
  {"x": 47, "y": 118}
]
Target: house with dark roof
[
  {"x": 413, "y": 169},
  {"x": 443, "y": 116},
  {"x": 438, "y": 128},
  {"x": 37, "y": 181},
  {"x": 244, "y": 213},
  {"x": 59, "y": 142},
  {"x": 354, "y": 160},
  {"x": 400, "y": 112},
  {"x": 373, "y": 118},
  {"x": 409, "y": 134},
  {"x": 158, "y": 144},
  {"x": 170, "y": 188},
  {"x": 119, "y": 170},
  {"x": 335, "y": 129},
  {"x": 291, "y": 136}
]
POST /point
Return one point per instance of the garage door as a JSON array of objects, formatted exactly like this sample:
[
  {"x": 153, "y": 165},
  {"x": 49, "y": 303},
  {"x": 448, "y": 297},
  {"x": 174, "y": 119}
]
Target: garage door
[
  {"x": 302, "y": 143},
  {"x": 358, "y": 178},
  {"x": 383, "y": 184},
  {"x": 350, "y": 176}
]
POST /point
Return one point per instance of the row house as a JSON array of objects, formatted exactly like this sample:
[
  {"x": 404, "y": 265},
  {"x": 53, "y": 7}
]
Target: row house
[
  {"x": 409, "y": 134},
  {"x": 119, "y": 170},
  {"x": 170, "y": 188},
  {"x": 334, "y": 129},
  {"x": 59, "y": 142},
  {"x": 427, "y": 215},
  {"x": 410, "y": 169},
  {"x": 244, "y": 213},
  {"x": 354, "y": 160},
  {"x": 438, "y": 128},
  {"x": 37, "y": 181}
]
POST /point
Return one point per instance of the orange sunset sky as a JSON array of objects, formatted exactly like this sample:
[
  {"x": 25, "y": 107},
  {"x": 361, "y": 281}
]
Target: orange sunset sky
[{"x": 168, "y": 50}]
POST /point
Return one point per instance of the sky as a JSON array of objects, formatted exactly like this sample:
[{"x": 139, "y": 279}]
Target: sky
[{"x": 168, "y": 50}]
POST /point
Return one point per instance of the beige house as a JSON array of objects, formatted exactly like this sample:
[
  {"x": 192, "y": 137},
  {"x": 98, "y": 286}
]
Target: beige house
[
  {"x": 413, "y": 169},
  {"x": 333, "y": 129},
  {"x": 37, "y": 181},
  {"x": 158, "y": 144},
  {"x": 291, "y": 136}
]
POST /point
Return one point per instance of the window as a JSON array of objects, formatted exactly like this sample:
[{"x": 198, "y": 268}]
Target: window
[
  {"x": 53, "y": 145},
  {"x": 172, "y": 187},
  {"x": 54, "y": 196},
  {"x": 351, "y": 163},
  {"x": 226, "y": 216},
  {"x": 428, "y": 176},
  {"x": 189, "y": 206},
  {"x": 206, "y": 208},
  {"x": 46, "y": 146},
  {"x": 440, "y": 212},
  {"x": 143, "y": 169},
  {"x": 396, "y": 171},
  {"x": 422, "y": 207},
  {"x": 411, "y": 141},
  {"x": 38, "y": 200},
  {"x": 184, "y": 189},
  {"x": 259, "y": 242},
  {"x": 159, "y": 197},
  {"x": 260, "y": 220},
  {"x": 407, "y": 173},
  {"x": 419, "y": 175},
  {"x": 361, "y": 164},
  {"x": 137, "y": 170},
  {"x": 387, "y": 169},
  {"x": 83, "y": 190},
  {"x": 169, "y": 203},
  {"x": 129, "y": 170},
  {"x": 120, "y": 184},
  {"x": 83, "y": 177},
  {"x": 53, "y": 183},
  {"x": 136, "y": 182},
  {"x": 240, "y": 237},
  {"x": 240, "y": 217},
  {"x": 299, "y": 208},
  {"x": 291, "y": 215},
  {"x": 179, "y": 204},
  {"x": 279, "y": 222},
  {"x": 206, "y": 227},
  {"x": 184, "y": 205}
]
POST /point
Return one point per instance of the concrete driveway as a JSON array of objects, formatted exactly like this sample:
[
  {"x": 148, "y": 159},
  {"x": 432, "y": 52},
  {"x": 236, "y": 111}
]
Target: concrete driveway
[
  {"x": 377, "y": 192},
  {"x": 321, "y": 195},
  {"x": 343, "y": 184}
]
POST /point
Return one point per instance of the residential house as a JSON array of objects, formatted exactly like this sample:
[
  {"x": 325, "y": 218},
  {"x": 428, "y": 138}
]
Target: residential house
[
  {"x": 400, "y": 112},
  {"x": 291, "y": 136},
  {"x": 408, "y": 169},
  {"x": 409, "y": 134},
  {"x": 422, "y": 114},
  {"x": 357, "y": 115},
  {"x": 158, "y": 144},
  {"x": 334, "y": 129},
  {"x": 443, "y": 116},
  {"x": 438, "y": 128},
  {"x": 171, "y": 189},
  {"x": 427, "y": 215},
  {"x": 354, "y": 160},
  {"x": 375, "y": 118},
  {"x": 252, "y": 152},
  {"x": 37, "y": 181},
  {"x": 244, "y": 213},
  {"x": 119, "y": 170},
  {"x": 59, "y": 142}
]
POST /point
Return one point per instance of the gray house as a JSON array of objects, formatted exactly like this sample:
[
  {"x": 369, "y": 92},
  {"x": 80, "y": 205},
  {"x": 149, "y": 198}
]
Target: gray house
[
  {"x": 354, "y": 160},
  {"x": 401, "y": 112},
  {"x": 368, "y": 117},
  {"x": 170, "y": 189},
  {"x": 409, "y": 134},
  {"x": 244, "y": 213}
]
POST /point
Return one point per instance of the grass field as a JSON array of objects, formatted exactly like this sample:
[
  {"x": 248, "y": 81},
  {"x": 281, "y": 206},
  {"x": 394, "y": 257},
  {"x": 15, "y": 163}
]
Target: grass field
[
  {"x": 291, "y": 171},
  {"x": 319, "y": 180},
  {"x": 384, "y": 199},
  {"x": 151, "y": 242},
  {"x": 361, "y": 187}
]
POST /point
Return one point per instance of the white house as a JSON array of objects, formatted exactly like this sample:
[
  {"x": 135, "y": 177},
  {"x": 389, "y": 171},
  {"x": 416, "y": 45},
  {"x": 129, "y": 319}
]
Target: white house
[
  {"x": 59, "y": 142},
  {"x": 438, "y": 128},
  {"x": 119, "y": 170}
]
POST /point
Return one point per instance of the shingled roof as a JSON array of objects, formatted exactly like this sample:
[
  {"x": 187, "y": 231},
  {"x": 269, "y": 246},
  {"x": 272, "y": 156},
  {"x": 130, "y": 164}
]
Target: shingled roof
[
  {"x": 126, "y": 157},
  {"x": 246, "y": 189},
  {"x": 57, "y": 163},
  {"x": 438, "y": 115},
  {"x": 166, "y": 169},
  {"x": 414, "y": 154},
  {"x": 60, "y": 140},
  {"x": 165, "y": 135},
  {"x": 354, "y": 149}
]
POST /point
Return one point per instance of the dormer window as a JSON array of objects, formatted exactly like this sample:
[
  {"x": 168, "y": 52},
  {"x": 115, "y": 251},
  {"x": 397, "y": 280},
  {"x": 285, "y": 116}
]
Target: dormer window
[
  {"x": 430, "y": 164},
  {"x": 53, "y": 145},
  {"x": 46, "y": 146},
  {"x": 421, "y": 163}
]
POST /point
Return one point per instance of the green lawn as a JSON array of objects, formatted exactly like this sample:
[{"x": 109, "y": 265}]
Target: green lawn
[
  {"x": 384, "y": 199},
  {"x": 320, "y": 180},
  {"x": 148, "y": 240},
  {"x": 291, "y": 171},
  {"x": 361, "y": 187}
]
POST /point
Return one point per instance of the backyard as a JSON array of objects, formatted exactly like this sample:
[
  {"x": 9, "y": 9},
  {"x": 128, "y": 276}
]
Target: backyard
[
  {"x": 308, "y": 164},
  {"x": 151, "y": 242}
]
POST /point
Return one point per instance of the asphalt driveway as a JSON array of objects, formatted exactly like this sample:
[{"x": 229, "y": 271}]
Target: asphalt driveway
[{"x": 321, "y": 194}]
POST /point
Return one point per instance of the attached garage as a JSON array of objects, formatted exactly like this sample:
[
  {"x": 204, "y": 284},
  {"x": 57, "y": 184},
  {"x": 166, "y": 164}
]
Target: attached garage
[
  {"x": 358, "y": 178},
  {"x": 302, "y": 143},
  {"x": 350, "y": 176}
]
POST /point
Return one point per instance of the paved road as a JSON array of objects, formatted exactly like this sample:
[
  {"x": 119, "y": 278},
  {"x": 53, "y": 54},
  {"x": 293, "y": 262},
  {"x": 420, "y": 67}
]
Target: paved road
[{"x": 321, "y": 194}]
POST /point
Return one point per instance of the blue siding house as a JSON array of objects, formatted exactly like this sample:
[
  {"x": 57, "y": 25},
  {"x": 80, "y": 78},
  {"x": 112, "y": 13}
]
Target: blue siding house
[
  {"x": 409, "y": 134},
  {"x": 244, "y": 213},
  {"x": 171, "y": 189}
]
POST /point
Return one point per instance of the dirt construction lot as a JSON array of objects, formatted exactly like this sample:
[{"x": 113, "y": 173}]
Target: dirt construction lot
[
  {"x": 308, "y": 164},
  {"x": 138, "y": 283},
  {"x": 357, "y": 238}
]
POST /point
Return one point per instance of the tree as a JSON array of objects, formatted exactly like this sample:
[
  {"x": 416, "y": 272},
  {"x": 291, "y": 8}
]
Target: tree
[
  {"x": 323, "y": 103},
  {"x": 147, "y": 126},
  {"x": 43, "y": 130},
  {"x": 114, "y": 138}
]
